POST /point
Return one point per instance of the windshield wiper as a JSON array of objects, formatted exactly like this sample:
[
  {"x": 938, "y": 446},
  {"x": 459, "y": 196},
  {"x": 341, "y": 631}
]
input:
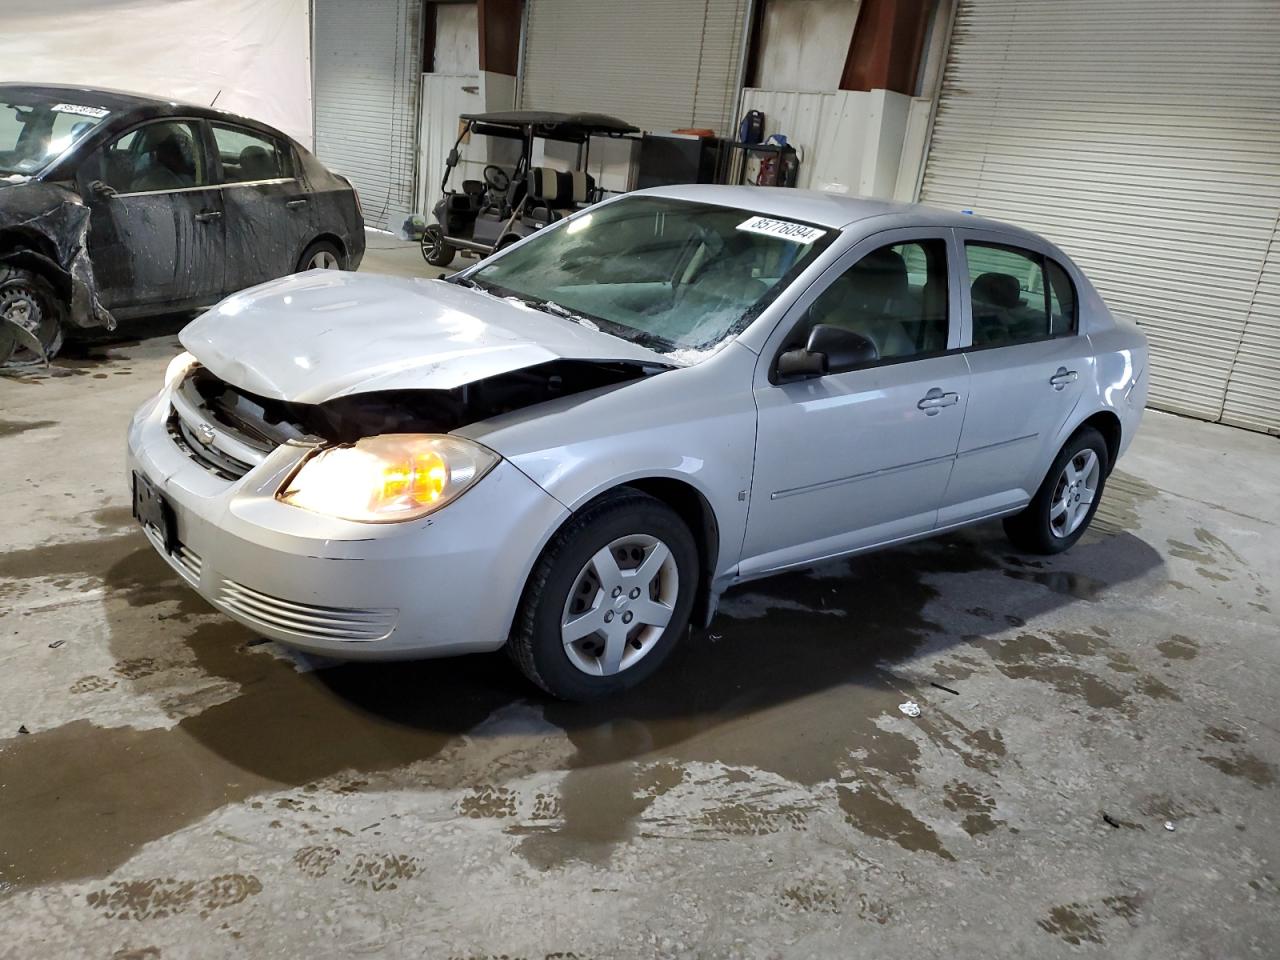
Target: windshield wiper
[{"x": 550, "y": 306}]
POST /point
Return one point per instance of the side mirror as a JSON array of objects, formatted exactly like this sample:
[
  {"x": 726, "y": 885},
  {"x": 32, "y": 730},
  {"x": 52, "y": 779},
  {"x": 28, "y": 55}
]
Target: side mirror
[
  {"x": 843, "y": 349},
  {"x": 101, "y": 190},
  {"x": 794, "y": 364}
]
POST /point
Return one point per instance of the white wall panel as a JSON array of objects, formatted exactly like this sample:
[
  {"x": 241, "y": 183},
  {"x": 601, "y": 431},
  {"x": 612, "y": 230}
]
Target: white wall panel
[
  {"x": 1144, "y": 137},
  {"x": 251, "y": 56}
]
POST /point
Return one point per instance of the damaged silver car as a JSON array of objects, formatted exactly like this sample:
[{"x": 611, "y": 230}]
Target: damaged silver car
[
  {"x": 574, "y": 447},
  {"x": 114, "y": 206}
]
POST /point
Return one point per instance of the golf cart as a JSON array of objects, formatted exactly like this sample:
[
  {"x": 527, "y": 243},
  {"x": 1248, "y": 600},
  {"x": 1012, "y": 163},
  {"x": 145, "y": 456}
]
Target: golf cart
[{"x": 487, "y": 215}]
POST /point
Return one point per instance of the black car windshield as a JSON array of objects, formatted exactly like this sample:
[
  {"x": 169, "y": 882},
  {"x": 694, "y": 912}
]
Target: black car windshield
[
  {"x": 35, "y": 131},
  {"x": 673, "y": 275}
]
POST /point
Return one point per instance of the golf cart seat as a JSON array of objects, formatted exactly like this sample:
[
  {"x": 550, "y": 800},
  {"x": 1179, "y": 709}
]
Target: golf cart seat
[
  {"x": 557, "y": 193},
  {"x": 461, "y": 209}
]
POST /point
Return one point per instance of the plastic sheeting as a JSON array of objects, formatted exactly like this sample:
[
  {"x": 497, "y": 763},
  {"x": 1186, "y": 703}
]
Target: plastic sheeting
[{"x": 250, "y": 56}]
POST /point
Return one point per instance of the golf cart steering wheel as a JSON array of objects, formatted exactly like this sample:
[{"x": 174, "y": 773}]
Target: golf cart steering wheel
[{"x": 496, "y": 178}]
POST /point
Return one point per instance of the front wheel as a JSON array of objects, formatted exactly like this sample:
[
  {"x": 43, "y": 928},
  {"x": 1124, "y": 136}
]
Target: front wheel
[
  {"x": 30, "y": 318},
  {"x": 1063, "y": 507},
  {"x": 608, "y": 599},
  {"x": 435, "y": 250}
]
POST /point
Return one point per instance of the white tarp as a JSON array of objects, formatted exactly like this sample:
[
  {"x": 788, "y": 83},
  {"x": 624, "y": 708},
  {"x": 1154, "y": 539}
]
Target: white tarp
[{"x": 253, "y": 56}]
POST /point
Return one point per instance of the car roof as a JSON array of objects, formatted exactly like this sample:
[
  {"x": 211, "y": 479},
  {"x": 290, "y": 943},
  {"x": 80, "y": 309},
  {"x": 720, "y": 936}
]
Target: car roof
[
  {"x": 833, "y": 210},
  {"x": 121, "y": 101}
]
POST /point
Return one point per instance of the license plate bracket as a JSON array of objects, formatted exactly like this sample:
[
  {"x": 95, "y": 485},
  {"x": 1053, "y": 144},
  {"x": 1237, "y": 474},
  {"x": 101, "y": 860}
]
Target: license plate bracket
[{"x": 152, "y": 510}]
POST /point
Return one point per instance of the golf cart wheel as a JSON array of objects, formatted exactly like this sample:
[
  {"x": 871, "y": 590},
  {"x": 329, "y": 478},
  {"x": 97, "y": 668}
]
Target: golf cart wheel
[
  {"x": 30, "y": 327},
  {"x": 435, "y": 250}
]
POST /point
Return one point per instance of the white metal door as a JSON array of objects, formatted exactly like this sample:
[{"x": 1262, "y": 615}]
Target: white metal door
[
  {"x": 367, "y": 60},
  {"x": 444, "y": 97},
  {"x": 1143, "y": 136},
  {"x": 660, "y": 65}
]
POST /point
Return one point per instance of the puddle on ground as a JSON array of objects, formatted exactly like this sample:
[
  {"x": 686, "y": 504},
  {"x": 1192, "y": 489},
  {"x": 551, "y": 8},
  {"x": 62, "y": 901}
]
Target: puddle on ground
[
  {"x": 796, "y": 695},
  {"x": 11, "y": 428}
]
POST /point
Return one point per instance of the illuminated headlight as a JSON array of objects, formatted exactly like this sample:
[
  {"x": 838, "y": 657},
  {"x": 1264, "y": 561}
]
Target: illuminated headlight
[
  {"x": 388, "y": 478},
  {"x": 177, "y": 367}
]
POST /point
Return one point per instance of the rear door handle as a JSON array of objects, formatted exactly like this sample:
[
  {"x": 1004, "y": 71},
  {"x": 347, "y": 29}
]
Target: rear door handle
[
  {"x": 1064, "y": 376},
  {"x": 933, "y": 401},
  {"x": 295, "y": 203},
  {"x": 208, "y": 216}
]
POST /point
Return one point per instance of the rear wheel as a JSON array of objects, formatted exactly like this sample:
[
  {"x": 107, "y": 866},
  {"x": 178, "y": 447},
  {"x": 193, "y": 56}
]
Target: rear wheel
[
  {"x": 608, "y": 599},
  {"x": 321, "y": 255},
  {"x": 435, "y": 249},
  {"x": 1062, "y": 508},
  {"x": 30, "y": 318}
]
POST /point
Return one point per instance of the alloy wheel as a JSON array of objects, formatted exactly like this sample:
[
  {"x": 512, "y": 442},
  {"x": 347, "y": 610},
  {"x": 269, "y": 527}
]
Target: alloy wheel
[
  {"x": 1074, "y": 493},
  {"x": 323, "y": 260},
  {"x": 620, "y": 605}
]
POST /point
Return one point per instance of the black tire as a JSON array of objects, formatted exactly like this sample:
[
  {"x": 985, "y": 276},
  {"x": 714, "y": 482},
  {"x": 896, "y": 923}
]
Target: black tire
[
  {"x": 1032, "y": 529},
  {"x": 28, "y": 295},
  {"x": 321, "y": 250},
  {"x": 535, "y": 643},
  {"x": 507, "y": 241},
  {"x": 435, "y": 250}
]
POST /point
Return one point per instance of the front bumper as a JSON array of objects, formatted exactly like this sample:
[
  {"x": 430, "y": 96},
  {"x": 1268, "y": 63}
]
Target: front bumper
[{"x": 446, "y": 584}]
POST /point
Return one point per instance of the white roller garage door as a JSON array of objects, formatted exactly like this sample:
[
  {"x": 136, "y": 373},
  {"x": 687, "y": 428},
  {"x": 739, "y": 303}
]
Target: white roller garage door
[
  {"x": 1144, "y": 137},
  {"x": 658, "y": 64},
  {"x": 367, "y": 61}
]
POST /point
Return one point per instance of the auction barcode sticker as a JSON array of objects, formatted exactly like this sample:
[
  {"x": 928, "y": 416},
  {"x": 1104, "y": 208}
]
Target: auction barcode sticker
[
  {"x": 82, "y": 111},
  {"x": 783, "y": 229}
]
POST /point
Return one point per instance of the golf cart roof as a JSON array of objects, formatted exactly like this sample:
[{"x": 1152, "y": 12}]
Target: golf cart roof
[{"x": 550, "y": 125}]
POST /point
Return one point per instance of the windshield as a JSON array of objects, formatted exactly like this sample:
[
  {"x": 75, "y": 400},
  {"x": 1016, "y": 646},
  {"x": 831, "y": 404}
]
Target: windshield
[
  {"x": 672, "y": 275},
  {"x": 35, "y": 131}
]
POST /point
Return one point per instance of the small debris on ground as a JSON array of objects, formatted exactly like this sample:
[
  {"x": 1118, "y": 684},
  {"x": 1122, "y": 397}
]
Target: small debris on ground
[
  {"x": 1111, "y": 820},
  {"x": 1168, "y": 825},
  {"x": 56, "y": 644},
  {"x": 933, "y": 683},
  {"x": 23, "y": 729},
  {"x": 910, "y": 708}
]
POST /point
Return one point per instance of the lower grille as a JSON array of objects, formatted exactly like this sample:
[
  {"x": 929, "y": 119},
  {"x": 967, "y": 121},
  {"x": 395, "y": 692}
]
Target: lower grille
[
  {"x": 189, "y": 560},
  {"x": 305, "y": 620}
]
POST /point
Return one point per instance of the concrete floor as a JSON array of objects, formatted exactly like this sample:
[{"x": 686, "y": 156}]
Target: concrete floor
[{"x": 171, "y": 787}]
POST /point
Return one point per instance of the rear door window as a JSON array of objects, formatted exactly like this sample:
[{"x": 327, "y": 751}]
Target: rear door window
[
  {"x": 248, "y": 156},
  {"x": 1017, "y": 295}
]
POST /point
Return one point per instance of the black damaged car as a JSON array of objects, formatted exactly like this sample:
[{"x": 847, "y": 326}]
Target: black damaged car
[{"x": 115, "y": 205}]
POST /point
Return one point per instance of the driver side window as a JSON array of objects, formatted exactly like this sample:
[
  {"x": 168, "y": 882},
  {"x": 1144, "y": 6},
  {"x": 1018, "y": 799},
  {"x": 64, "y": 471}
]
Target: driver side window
[
  {"x": 156, "y": 157},
  {"x": 895, "y": 297}
]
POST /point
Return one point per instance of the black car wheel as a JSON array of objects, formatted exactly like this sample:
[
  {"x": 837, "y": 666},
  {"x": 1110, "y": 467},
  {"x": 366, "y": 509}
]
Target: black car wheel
[
  {"x": 1060, "y": 512},
  {"x": 608, "y": 599},
  {"x": 321, "y": 255},
  {"x": 435, "y": 249},
  {"x": 30, "y": 327}
]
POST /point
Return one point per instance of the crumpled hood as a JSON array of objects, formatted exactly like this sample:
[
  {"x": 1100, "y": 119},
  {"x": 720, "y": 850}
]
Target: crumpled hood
[{"x": 323, "y": 334}]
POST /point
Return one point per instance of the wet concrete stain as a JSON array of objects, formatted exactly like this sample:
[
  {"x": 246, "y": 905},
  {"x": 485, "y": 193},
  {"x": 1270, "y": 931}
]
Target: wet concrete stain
[
  {"x": 85, "y": 815},
  {"x": 1244, "y": 765},
  {"x": 975, "y": 805},
  {"x": 1078, "y": 923},
  {"x": 1124, "y": 495},
  {"x": 1178, "y": 647},
  {"x": 158, "y": 898},
  {"x": 11, "y": 428}
]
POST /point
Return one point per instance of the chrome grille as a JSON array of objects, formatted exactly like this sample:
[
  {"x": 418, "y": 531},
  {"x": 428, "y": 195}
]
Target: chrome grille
[
  {"x": 306, "y": 620},
  {"x": 208, "y": 456}
]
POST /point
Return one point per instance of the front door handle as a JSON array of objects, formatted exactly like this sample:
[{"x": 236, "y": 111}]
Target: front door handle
[
  {"x": 208, "y": 216},
  {"x": 296, "y": 202},
  {"x": 1064, "y": 376},
  {"x": 933, "y": 401}
]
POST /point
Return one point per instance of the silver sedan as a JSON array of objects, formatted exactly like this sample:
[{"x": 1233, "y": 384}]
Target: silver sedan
[{"x": 574, "y": 447}]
